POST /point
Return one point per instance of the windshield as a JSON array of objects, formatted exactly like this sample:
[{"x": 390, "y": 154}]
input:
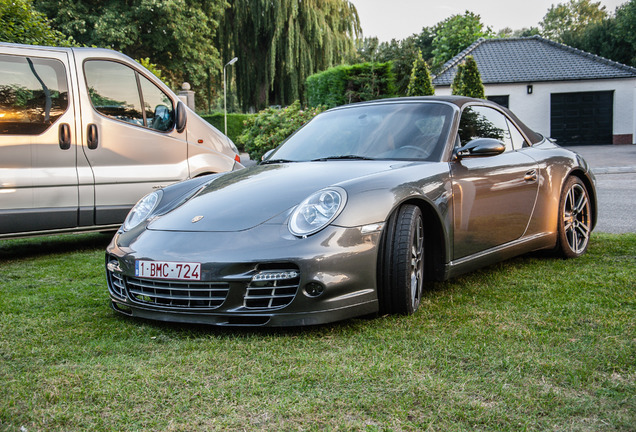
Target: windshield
[{"x": 401, "y": 131}]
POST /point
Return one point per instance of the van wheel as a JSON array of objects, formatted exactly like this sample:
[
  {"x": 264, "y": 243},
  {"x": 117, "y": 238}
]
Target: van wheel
[{"x": 401, "y": 262}]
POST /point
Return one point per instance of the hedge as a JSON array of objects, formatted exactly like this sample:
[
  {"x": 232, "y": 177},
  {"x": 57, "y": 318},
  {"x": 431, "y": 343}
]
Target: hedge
[{"x": 348, "y": 84}]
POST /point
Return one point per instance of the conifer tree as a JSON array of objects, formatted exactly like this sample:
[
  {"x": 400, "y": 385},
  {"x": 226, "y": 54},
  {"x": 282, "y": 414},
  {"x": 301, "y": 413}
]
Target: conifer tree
[
  {"x": 467, "y": 81},
  {"x": 458, "y": 82},
  {"x": 420, "y": 83}
]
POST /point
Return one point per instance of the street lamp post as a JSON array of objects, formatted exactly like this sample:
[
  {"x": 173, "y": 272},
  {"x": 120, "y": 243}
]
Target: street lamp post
[{"x": 230, "y": 63}]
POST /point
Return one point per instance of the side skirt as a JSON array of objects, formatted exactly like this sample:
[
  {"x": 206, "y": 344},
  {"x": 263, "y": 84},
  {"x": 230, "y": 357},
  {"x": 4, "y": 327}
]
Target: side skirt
[{"x": 499, "y": 253}]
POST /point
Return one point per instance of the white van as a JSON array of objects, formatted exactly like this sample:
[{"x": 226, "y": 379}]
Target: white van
[{"x": 85, "y": 133}]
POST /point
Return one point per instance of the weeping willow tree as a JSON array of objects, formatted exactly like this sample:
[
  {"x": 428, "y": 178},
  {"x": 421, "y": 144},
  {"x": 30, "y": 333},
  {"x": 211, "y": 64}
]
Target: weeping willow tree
[{"x": 280, "y": 43}]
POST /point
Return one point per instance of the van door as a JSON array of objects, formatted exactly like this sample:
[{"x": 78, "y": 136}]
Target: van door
[
  {"x": 129, "y": 136},
  {"x": 38, "y": 177}
]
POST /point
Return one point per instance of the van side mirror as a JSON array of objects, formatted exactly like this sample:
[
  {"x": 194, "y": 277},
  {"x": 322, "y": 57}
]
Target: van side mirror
[
  {"x": 481, "y": 147},
  {"x": 182, "y": 118}
]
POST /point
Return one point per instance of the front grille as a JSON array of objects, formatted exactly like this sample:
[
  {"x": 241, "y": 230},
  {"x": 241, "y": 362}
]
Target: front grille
[
  {"x": 266, "y": 287},
  {"x": 271, "y": 294},
  {"x": 197, "y": 295}
]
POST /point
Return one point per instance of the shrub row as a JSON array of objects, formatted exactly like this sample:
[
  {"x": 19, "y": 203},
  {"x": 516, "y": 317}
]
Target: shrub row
[
  {"x": 259, "y": 133},
  {"x": 348, "y": 84},
  {"x": 271, "y": 126}
]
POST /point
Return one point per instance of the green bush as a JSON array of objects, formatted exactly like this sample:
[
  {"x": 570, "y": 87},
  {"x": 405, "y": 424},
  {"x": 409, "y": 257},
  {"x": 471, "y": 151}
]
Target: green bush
[
  {"x": 348, "y": 84},
  {"x": 327, "y": 88},
  {"x": 271, "y": 126},
  {"x": 235, "y": 124}
]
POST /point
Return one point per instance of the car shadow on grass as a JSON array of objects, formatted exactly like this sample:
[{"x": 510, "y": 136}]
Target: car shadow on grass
[
  {"x": 182, "y": 331},
  {"x": 32, "y": 247}
]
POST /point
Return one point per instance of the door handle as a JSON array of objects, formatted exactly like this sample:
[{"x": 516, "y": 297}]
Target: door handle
[
  {"x": 92, "y": 137},
  {"x": 531, "y": 176},
  {"x": 65, "y": 136}
]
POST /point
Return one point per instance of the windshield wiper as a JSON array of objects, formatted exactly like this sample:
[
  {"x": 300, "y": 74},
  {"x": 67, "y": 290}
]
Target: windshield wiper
[
  {"x": 342, "y": 157},
  {"x": 274, "y": 161}
]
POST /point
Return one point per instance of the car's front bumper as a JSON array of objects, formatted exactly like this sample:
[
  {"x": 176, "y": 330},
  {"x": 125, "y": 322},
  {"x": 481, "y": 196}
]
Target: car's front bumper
[{"x": 327, "y": 277}]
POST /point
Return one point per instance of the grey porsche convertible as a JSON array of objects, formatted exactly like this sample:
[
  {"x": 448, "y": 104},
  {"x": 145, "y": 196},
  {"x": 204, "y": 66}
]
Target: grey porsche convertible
[{"x": 352, "y": 215}]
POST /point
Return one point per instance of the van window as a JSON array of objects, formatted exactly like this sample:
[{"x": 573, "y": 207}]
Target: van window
[
  {"x": 157, "y": 106},
  {"x": 119, "y": 92},
  {"x": 33, "y": 94},
  {"x": 113, "y": 90}
]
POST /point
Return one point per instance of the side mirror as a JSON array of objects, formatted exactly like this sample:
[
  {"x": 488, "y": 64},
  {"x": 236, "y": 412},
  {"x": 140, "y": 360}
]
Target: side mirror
[
  {"x": 481, "y": 147},
  {"x": 182, "y": 118},
  {"x": 267, "y": 154}
]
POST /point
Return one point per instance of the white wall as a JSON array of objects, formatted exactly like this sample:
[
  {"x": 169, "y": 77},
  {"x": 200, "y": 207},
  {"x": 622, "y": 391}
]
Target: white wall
[{"x": 534, "y": 109}]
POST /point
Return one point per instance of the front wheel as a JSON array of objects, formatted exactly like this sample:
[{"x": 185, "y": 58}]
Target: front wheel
[
  {"x": 575, "y": 219},
  {"x": 401, "y": 266}
]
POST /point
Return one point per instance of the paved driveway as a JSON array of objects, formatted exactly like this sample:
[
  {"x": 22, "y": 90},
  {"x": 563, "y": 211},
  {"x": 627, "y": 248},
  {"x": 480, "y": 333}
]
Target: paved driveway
[{"x": 615, "y": 170}]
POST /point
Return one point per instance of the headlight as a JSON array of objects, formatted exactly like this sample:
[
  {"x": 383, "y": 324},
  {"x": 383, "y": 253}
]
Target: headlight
[
  {"x": 142, "y": 210},
  {"x": 317, "y": 211}
]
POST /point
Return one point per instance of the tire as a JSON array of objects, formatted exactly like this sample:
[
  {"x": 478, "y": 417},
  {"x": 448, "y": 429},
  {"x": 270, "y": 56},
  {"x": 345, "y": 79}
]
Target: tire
[
  {"x": 401, "y": 262},
  {"x": 575, "y": 219}
]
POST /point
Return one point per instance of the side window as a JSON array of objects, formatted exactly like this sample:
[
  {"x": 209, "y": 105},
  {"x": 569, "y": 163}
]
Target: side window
[
  {"x": 113, "y": 90},
  {"x": 517, "y": 139},
  {"x": 119, "y": 92},
  {"x": 33, "y": 94},
  {"x": 484, "y": 122},
  {"x": 157, "y": 105}
]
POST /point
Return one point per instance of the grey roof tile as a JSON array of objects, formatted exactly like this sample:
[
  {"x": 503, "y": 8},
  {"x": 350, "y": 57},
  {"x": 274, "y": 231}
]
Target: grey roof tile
[{"x": 532, "y": 59}]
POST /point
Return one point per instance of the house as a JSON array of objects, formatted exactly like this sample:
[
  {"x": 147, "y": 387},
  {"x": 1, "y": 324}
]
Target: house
[{"x": 570, "y": 95}]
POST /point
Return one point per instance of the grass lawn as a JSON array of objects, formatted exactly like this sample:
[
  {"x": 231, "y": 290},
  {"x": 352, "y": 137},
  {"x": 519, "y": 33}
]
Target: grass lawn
[{"x": 534, "y": 343}]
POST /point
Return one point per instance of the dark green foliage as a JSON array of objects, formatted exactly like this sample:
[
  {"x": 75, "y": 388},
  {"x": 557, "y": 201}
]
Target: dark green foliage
[
  {"x": 348, "y": 84},
  {"x": 21, "y": 23},
  {"x": 455, "y": 34},
  {"x": 456, "y": 85},
  {"x": 613, "y": 38},
  {"x": 328, "y": 87},
  {"x": 571, "y": 17},
  {"x": 420, "y": 83},
  {"x": 467, "y": 81},
  {"x": 174, "y": 34},
  {"x": 280, "y": 43},
  {"x": 271, "y": 126},
  {"x": 401, "y": 54},
  {"x": 507, "y": 32},
  {"x": 438, "y": 44},
  {"x": 235, "y": 124}
]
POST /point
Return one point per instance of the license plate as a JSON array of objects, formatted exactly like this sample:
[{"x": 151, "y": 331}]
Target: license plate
[{"x": 168, "y": 270}]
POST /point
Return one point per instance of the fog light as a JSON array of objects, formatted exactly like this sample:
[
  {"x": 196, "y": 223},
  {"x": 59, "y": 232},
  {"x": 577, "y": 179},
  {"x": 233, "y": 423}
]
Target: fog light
[
  {"x": 314, "y": 289},
  {"x": 113, "y": 266}
]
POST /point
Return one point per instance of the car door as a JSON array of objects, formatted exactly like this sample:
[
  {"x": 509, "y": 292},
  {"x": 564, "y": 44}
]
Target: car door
[
  {"x": 494, "y": 196},
  {"x": 38, "y": 176},
  {"x": 129, "y": 136}
]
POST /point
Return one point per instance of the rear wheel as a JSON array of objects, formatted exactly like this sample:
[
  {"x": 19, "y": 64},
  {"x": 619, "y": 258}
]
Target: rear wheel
[
  {"x": 401, "y": 264},
  {"x": 575, "y": 219}
]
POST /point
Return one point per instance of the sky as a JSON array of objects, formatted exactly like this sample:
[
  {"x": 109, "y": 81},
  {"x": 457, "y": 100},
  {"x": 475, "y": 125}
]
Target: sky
[{"x": 398, "y": 19}]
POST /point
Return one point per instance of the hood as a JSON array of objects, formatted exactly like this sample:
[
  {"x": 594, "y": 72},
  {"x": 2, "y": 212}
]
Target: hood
[{"x": 243, "y": 199}]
